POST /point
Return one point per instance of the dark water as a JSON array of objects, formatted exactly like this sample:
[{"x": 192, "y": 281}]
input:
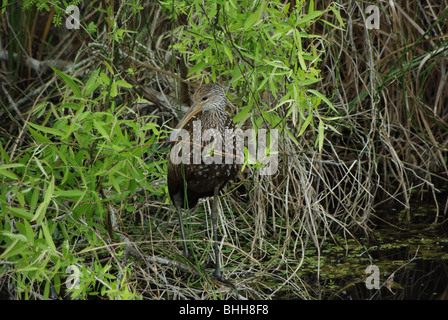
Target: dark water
[{"x": 408, "y": 249}]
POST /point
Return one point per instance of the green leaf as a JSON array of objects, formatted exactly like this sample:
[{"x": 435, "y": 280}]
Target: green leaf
[
  {"x": 70, "y": 193},
  {"x": 105, "y": 79},
  {"x": 338, "y": 16},
  {"x": 228, "y": 52},
  {"x": 41, "y": 209},
  {"x": 15, "y": 236},
  {"x": 20, "y": 198},
  {"x": 113, "y": 181},
  {"x": 311, "y": 6},
  {"x": 251, "y": 20},
  {"x": 47, "y": 287},
  {"x": 100, "y": 129},
  {"x": 310, "y": 17},
  {"x": 51, "y": 131},
  {"x": 14, "y": 248},
  {"x": 124, "y": 84},
  {"x": 92, "y": 83},
  {"x": 306, "y": 123},
  {"x": 254, "y": 17},
  {"x": 320, "y": 95},
  {"x": 114, "y": 90},
  {"x": 8, "y": 174},
  {"x": 197, "y": 67},
  {"x": 320, "y": 135},
  {"x": 243, "y": 114},
  {"x": 39, "y": 138},
  {"x": 34, "y": 199},
  {"x": 29, "y": 232},
  {"x": 70, "y": 81},
  {"x": 20, "y": 213},
  {"x": 4, "y": 5},
  {"x": 69, "y": 130},
  {"x": 11, "y": 165},
  {"x": 47, "y": 235},
  {"x": 91, "y": 28},
  {"x": 39, "y": 165},
  {"x": 4, "y": 155}
]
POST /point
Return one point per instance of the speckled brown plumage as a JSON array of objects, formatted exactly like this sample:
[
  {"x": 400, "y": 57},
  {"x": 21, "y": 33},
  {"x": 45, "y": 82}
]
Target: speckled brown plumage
[
  {"x": 204, "y": 178},
  {"x": 201, "y": 179}
]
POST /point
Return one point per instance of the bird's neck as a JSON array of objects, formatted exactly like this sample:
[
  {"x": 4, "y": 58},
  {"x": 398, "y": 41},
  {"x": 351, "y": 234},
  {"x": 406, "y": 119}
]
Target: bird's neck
[
  {"x": 213, "y": 119},
  {"x": 215, "y": 112}
]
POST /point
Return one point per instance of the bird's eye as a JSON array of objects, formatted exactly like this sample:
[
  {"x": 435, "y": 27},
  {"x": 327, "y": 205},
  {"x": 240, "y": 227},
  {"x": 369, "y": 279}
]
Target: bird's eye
[{"x": 204, "y": 98}]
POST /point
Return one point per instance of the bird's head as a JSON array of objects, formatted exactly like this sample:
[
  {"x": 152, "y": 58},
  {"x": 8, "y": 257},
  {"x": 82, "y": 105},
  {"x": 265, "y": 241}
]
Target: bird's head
[{"x": 208, "y": 97}]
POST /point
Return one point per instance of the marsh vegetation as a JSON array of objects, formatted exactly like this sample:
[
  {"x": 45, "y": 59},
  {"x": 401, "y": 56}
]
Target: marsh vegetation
[{"x": 363, "y": 139}]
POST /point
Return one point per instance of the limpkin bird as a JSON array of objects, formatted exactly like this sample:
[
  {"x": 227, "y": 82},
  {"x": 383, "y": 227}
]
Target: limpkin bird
[{"x": 190, "y": 180}]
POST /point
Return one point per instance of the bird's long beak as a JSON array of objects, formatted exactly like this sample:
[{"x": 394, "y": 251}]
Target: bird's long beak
[{"x": 195, "y": 109}]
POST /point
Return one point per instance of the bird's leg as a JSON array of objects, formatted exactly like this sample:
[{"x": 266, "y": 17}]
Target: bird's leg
[
  {"x": 217, "y": 274},
  {"x": 215, "y": 233},
  {"x": 179, "y": 210}
]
